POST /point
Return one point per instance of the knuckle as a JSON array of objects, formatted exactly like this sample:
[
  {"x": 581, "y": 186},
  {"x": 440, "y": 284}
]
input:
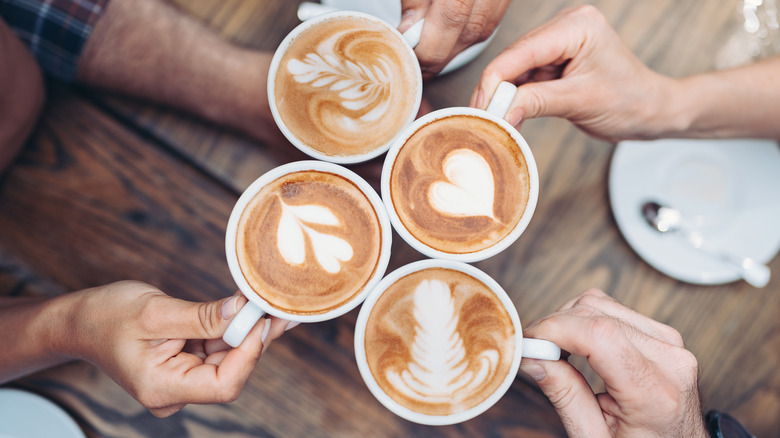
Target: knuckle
[
  {"x": 688, "y": 364},
  {"x": 604, "y": 328},
  {"x": 588, "y": 12},
  {"x": 479, "y": 28},
  {"x": 229, "y": 392},
  {"x": 456, "y": 14},
  {"x": 672, "y": 336},
  {"x": 561, "y": 397},
  {"x": 207, "y": 315}
]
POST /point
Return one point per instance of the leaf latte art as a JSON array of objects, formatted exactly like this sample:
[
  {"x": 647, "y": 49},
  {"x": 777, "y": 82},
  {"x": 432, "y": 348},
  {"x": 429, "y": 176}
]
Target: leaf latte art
[
  {"x": 308, "y": 242},
  {"x": 438, "y": 341},
  {"x": 346, "y": 86},
  {"x": 439, "y": 367}
]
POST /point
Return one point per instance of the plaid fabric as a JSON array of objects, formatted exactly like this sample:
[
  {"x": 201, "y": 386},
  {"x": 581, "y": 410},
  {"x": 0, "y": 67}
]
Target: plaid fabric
[{"x": 55, "y": 31}]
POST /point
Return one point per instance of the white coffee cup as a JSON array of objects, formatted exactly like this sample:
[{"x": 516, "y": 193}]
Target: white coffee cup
[
  {"x": 410, "y": 38},
  {"x": 523, "y": 347},
  {"x": 495, "y": 113},
  {"x": 257, "y": 306}
]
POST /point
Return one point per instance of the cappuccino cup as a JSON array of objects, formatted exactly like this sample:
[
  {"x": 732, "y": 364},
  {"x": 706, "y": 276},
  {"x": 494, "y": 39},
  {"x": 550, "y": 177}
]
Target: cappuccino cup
[
  {"x": 305, "y": 242},
  {"x": 344, "y": 84},
  {"x": 461, "y": 183},
  {"x": 439, "y": 342}
]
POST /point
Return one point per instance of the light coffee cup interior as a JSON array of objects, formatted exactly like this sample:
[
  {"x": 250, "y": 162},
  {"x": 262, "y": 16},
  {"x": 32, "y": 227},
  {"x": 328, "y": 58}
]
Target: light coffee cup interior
[
  {"x": 496, "y": 111},
  {"x": 410, "y": 39},
  {"x": 538, "y": 348},
  {"x": 257, "y": 307}
]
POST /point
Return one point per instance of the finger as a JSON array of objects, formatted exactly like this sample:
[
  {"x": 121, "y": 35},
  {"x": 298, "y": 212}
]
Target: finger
[
  {"x": 166, "y": 411},
  {"x": 412, "y": 11},
  {"x": 172, "y": 318},
  {"x": 209, "y": 383},
  {"x": 603, "y": 341},
  {"x": 277, "y": 328},
  {"x": 597, "y": 299},
  {"x": 570, "y": 394},
  {"x": 554, "y": 42},
  {"x": 444, "y": 23},
  {"x": 611, "y": 409}
]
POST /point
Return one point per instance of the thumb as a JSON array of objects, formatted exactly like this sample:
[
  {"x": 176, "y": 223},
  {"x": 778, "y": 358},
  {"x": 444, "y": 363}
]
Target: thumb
[
  {"x": 412, "y": 11},
  {"x": 180, "y": 319},
  {"x": 542, "y": 99},
  {"x": 570, "y": 394}
]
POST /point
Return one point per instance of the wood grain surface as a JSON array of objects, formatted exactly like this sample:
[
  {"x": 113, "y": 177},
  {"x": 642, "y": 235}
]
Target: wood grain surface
[{"x": 110, "y": 188}]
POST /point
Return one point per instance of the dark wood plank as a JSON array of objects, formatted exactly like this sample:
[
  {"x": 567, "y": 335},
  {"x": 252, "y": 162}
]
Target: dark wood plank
[{"x": 89, "y": 202}]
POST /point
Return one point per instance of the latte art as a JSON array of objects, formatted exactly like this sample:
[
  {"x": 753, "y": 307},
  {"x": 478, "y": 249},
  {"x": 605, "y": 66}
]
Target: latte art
[
  {"x": 346, "y": 86},
  {"x": 308, "y": 242},
  {"x": 328, "y": 249},
  {"x": 469, "y": 188},
  {"x": 459, "y": 184},
  {"x": 438, "y": 341},
  {"x": 361, "y": 88}
]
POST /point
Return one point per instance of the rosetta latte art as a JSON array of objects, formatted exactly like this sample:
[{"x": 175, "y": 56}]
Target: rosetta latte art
[
  {"x": 359, "y": 87},
  {"x": 346, "y": 86},
  {"x": 439, "y": 367},
  {"x": 329, "y": 250}
]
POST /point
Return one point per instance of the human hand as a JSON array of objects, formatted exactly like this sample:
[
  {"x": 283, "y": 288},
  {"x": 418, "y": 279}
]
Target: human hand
[
  {"x": 164, "y": 351},
  {"x": 576, "y": 67},
  {"x": 650, "y": 378},
  {"x": 450, "y": 27}
]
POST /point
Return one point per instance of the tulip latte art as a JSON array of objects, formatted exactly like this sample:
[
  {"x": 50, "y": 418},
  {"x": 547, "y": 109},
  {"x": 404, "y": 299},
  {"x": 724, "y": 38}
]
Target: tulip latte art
[
  {"x": 308, "y": 242},
  {"x": 439, "y": 341},
  {"x": 346, "y": 86},
  {"x": 460, "y": 184}
]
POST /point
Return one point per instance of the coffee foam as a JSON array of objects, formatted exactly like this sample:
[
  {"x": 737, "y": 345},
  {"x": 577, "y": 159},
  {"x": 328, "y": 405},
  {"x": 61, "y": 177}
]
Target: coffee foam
[
  {"x": 439, "y": 341},
  {"x": 460, "y": 184},
  {"x": 346, "y": 86},
  {"x": 308, "y": 242}
]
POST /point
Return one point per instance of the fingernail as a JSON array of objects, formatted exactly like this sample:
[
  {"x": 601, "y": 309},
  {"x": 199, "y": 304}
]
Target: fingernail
[
  {"x": 515, "y": 117},
  {"x": 266, "y": 329},
  {"x": 534, "y": 371},
  {"x": 480, "y": 98},
  {"x": 292, "y": 324},
  {"x": 407, "y": 20},
  {"x": 229, "y": 308}
]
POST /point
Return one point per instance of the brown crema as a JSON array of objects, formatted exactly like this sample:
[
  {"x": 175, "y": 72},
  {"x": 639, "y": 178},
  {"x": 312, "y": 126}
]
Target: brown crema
[
  {"x": 346, "y": 86},
  {"x": 397, "y": 347},
  {"x": 420, "y": 164},
  {"x": 306, "y": 287}
]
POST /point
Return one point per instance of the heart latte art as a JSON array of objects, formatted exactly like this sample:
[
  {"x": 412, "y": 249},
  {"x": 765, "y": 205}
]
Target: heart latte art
[
  {"x": 308, "y": 242},
  {"x": 346, "y": 86},
  {"x": 460, "y": 184},
  {"x": 439, "y": 341}
]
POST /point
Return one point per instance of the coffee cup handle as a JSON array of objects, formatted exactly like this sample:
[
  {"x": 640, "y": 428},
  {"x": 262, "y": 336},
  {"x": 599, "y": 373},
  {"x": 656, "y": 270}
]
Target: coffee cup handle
[
  {"x": 502, "y": 99},
  {"x": 541, "y": 349},
  {"x": 242, "y": 323}
]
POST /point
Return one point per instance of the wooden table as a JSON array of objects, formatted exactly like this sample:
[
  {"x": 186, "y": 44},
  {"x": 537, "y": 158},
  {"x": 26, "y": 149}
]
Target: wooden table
[{"x": 109, "y": 188}]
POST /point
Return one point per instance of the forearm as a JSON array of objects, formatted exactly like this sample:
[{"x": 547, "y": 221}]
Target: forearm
[
  {"x": 148, "y": 49},
  {"x": 741, "y": 102},
  {"x": 33, "y": 331}
]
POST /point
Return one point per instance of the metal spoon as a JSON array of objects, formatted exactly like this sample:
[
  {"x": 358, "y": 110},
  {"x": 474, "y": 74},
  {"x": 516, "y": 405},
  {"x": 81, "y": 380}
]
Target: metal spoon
[{"x": 666, "y": 219}]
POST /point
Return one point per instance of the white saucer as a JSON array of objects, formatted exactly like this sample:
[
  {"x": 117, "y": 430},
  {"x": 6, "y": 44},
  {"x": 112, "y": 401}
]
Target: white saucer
[
  {"x": 730, "y": 189},
  {"x": 27, "y": 415}
]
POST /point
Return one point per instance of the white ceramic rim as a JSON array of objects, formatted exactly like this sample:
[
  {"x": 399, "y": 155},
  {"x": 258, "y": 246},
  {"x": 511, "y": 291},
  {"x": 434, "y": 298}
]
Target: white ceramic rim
[
  {"x": 274, "y": 174},
  {"x": 386, "y": 400},
  {"x": 530, "y": 208},
  {"x": 277, "y": 58}
]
